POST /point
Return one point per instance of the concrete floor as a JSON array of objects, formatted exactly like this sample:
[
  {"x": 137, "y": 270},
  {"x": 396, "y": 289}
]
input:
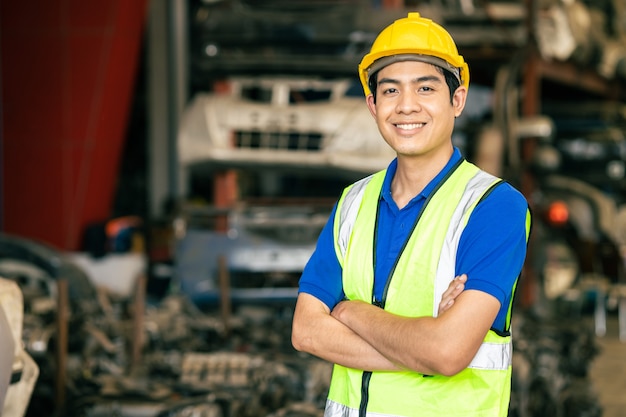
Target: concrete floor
[{"x": 608, "y": 372}]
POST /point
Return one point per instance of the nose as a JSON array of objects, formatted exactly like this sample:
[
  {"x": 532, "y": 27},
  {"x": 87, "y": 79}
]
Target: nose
[{"x": 408, "y": 102}]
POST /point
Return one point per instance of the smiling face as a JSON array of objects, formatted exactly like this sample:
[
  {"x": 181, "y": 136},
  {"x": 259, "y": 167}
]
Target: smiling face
[{"x": 413, "y": 110}]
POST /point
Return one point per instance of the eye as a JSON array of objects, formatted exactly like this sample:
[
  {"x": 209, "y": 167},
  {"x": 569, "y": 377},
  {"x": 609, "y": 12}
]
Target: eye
[{"x": 390, "y": 90}]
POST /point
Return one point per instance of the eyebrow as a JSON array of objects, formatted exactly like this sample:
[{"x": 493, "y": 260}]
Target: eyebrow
[{"x": 425, "y": 78}]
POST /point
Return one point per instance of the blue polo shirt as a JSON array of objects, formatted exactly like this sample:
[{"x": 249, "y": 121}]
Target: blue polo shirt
[{"x": 491, "y": 250}]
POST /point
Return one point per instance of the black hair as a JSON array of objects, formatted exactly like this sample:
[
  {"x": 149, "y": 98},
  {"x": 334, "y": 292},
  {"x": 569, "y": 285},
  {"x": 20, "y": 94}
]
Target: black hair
[{"x": 451, "y": 81}]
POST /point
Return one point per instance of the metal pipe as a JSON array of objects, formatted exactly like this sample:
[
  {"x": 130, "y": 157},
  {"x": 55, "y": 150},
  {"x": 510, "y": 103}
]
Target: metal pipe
[
  {"x": 138, "y": 320},
  {"x": 225, "y": 301},
  {"x": 62, "y": 343}
]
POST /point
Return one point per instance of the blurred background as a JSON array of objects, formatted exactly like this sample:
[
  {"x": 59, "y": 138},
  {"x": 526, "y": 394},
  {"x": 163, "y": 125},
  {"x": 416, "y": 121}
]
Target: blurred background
[{"x": 167, "y": 166}]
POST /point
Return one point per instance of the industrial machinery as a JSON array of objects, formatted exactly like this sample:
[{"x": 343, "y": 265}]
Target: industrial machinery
[{"x": 581, "y": 213}]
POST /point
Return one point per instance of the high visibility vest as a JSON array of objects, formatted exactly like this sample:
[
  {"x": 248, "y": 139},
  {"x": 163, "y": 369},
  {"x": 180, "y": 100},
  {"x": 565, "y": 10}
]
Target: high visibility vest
[{"x": 425, "y": 267}]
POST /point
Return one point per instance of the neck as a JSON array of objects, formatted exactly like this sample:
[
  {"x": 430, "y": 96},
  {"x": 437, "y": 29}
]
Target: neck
[{"x": 414, "y": 174}]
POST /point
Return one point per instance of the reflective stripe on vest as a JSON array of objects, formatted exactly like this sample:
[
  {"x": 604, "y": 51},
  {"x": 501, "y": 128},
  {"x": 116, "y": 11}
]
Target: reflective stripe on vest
[
  {"x": 445, "y": 222},
  {"x": 347, "y": 211},
  {"x": 334, "y": 409}
]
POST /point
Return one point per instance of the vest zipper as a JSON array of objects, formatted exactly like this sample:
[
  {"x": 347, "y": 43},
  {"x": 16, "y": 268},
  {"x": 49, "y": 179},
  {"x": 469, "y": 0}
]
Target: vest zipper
[
  {"x": 367, "y": 375},
  {"x": 365, "y": 383}
]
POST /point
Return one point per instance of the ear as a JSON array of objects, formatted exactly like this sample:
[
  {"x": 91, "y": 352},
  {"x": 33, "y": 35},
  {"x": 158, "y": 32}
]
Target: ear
[
  {"x": 371, "y": 105},
  {"x": 458, "y": 100}
]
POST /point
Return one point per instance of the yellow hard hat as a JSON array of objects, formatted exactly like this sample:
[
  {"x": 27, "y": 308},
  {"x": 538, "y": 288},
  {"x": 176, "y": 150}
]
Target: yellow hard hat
[{"x": 413, "y": 38}]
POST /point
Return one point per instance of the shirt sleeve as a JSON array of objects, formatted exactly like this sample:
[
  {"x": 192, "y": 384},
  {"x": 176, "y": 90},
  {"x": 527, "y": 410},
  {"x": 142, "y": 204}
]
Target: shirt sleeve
[
  {"x": 321, "y": 276},
  {"x": 493, "y": 246}
]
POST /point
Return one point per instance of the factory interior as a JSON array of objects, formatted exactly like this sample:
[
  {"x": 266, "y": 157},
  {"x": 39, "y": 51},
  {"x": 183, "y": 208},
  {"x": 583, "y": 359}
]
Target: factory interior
[{"x": 167, "y": 167}]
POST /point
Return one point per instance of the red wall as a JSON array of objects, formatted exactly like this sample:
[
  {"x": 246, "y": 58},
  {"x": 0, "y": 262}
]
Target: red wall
[{"x": 68, "y": 69}]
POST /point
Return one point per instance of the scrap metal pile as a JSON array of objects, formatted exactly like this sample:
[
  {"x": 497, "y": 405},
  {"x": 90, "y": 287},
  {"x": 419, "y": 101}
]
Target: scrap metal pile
[
  {"x": 551, "y": 359},
  {"x": 191, "y": 363}
]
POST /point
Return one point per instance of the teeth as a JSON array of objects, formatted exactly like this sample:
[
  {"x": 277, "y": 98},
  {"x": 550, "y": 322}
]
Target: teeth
[{"x": 410, "y": 126}]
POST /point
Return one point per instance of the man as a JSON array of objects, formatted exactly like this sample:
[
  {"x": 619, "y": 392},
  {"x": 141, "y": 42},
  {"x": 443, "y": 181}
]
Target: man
[{"x": 378, "y": 297}]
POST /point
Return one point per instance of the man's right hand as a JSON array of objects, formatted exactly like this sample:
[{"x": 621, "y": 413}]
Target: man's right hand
[{"x": 455, "y": 288}]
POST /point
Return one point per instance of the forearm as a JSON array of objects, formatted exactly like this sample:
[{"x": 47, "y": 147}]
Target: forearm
[
  {"x": 316, "y": 332},
  {"x": 443, "y": 345},
  {"x": 392, "y": 335}
]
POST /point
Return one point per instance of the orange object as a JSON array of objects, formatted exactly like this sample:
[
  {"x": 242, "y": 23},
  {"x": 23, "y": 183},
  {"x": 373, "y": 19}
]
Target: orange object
[{"x": 558, "y": 213}]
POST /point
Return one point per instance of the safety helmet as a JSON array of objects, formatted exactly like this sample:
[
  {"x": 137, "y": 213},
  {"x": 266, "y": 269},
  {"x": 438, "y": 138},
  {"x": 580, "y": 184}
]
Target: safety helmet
[{"x": 413, "y": 38}]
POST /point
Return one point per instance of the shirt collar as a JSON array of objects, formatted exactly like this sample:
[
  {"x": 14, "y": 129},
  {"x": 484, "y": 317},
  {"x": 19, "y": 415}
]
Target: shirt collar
[{"x": 393, "y": 166}]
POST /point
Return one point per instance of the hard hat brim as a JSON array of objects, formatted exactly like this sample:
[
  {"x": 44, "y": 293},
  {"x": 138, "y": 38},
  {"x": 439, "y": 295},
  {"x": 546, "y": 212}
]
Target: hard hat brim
[{"x": 429, "y": 59}]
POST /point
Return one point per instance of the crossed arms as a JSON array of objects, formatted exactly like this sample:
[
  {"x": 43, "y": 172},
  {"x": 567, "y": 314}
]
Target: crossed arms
[{"x": 359, "y": 335}]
